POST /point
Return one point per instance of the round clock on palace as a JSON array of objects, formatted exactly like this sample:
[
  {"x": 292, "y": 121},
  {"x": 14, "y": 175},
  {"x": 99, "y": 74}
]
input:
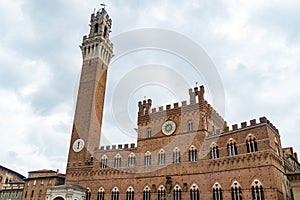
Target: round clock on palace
[
  {"x": 78, "y": 145},
  {"x": 168, "y": 128}
]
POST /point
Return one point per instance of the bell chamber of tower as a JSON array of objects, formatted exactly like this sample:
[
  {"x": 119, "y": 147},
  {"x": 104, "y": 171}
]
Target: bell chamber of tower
[{"x": 97, "y": 43}]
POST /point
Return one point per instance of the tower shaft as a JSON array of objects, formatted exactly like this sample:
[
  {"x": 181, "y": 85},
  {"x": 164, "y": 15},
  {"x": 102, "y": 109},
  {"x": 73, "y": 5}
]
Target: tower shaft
[{"x": 97, "y": 52}]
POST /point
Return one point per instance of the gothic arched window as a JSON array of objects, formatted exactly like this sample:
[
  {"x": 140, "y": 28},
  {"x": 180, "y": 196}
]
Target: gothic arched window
[
  {"x": 177, "y": 192},
  {"x": 146, "y": 193},
  {"x": 100, "y": 194},
  {"x": 217, "y": 192},
  {"x": 117, "y": 161},
  {"x": 192, "y": 153},
  {"x": 257, "y": 190},
  {"x": 161, "y": 157},
  {"x": 96, "y": 28},
  {"x": 214, "y": 151},
  {"x": 131, "y": 160},
  {"x": 161, "y": 193},
  {"x": 88, "y": 194},
  {"x": 190, "y": 125},
  {"x": 104, "y": 161},
  {"x": 176, "y": 155},
  {"x": 194, "y": 192},
  {"x": 115, "y": 193},
  {"x": 105, "y": 32},
  {"x": 149, "y": 133},
  {"x": 236, "y": 191},
  {"x": 147, "y": 158},
  {"x": 130, "y": 193},
  {"x": 231, "y": 147},
  {"x": 251, "y": 143}
]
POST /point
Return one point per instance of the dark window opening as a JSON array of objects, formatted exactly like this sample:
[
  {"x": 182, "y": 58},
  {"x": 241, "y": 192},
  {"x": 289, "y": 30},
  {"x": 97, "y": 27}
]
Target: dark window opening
[
  {"x": 105, "y": 31},
  {"x": 96, "y": 28}
]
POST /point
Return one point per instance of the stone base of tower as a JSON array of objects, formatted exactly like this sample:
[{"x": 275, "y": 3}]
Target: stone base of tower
[{"x": 65, "y": 192}]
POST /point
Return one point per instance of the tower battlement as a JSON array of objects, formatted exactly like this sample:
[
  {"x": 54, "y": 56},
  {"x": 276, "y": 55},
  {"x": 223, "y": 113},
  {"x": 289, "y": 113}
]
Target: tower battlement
[
  {"x": 117, "y": 147},
  {"x": 197, "y": 104},
  {"x": 252, "y": 123},
  {"x": 196, "y": 97}
]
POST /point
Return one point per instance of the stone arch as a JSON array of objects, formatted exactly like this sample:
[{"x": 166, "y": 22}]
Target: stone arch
[
  {"x": 213, "y": 144},
  {"x": 131, "y": 154},
  {"x": 130, "y": 188},
  {"x": 59, "y": 198},
  {"x": 231, "y": 141},
  {"x": 101, "y": 189},
  {"x": 115, "y": 189},
  {"x": 147, "y": 187},
  {"x": 217, "y": 185},
  {"x": 177, "y": 187},
  {"x": 250, "y": 136},
  {"x": 256, "y": 182}
]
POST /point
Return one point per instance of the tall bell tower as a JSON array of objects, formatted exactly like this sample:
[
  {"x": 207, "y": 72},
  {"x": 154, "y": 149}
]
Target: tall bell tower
[{"x": 97, "y": 51}]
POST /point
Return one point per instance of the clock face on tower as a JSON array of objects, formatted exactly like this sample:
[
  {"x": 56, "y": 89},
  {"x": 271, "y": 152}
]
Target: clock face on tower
[
  {"x": 78, "y": 145},
  {"x": 168, "y": 128}
]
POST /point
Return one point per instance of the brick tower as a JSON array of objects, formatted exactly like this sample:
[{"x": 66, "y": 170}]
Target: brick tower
[{"x": 97, "y": 52}]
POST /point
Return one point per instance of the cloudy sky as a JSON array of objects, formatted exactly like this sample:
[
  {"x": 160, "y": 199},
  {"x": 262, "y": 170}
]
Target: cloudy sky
[{"x": 254, "y": 45}]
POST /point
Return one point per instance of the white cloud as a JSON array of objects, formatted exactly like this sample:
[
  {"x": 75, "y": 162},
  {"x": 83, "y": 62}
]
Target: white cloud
[{"x": 31, "y": 139}]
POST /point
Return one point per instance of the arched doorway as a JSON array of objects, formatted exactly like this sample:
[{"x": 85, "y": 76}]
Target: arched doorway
[{"x": 58, "y": 198}]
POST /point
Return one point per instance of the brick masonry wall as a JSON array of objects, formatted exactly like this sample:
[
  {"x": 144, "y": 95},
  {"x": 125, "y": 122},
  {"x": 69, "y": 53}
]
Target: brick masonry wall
[{"x": 265, "y": 165}]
